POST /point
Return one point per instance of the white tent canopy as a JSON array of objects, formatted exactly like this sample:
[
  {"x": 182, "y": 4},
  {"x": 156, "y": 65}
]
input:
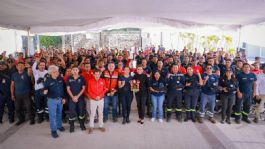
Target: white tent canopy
[{"x": 40, "y": 16}]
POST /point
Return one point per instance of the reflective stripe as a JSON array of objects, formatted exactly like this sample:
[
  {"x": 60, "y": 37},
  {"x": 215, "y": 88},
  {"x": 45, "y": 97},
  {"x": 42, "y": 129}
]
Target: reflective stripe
[
  {"x": 244, "y": 113},
  {"x": 178, "y": 110},
  {"x": 81, "y": 117},
  {"x": 236, "y": 113},
  {"x": 169, "y": 110},
  {"x": 71, "y": 119},
  {"x": 188, "y": 110},
  {"x": 192, "y": 110},
  {"x": 41, "y": 111}
]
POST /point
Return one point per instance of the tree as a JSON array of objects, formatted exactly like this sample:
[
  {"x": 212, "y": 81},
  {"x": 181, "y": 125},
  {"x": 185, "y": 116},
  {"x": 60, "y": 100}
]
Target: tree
[{"x": 54, "y": 41}]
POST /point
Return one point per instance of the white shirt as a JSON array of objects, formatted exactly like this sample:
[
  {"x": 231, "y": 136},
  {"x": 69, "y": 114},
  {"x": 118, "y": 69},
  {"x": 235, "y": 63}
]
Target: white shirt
[
  {"x": 260, "y": 90},
  {"x": 38, "y": 74}
]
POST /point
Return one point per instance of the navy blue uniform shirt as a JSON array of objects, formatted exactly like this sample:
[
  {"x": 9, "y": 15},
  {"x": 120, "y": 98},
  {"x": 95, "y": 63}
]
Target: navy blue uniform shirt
[
  {"x": 245, "y": 82},
  {"x": 158, "y": 85},
  {"x": 55, "y": 87},
  {"x": 211, "y": 85},
  {"x": 175, "y": 82},
  {"x": 22, "y": 83},
  {"x": 76, "y": 85}
]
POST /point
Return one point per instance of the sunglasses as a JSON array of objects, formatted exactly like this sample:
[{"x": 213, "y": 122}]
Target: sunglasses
[{"x": 209, "y": 68}]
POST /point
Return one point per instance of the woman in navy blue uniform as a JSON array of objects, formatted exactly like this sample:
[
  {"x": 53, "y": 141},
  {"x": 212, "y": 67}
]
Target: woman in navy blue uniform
[
  {"x": 125, "y": 94},
  {"x": 75, "y": 88},
  {"x": 193, "y": 81},
  {"x": 229, "y": 86}
]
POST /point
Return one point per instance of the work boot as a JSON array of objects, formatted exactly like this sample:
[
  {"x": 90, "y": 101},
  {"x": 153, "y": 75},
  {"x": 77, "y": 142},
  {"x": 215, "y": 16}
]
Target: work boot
[
  {"x": 222, "y": 121},
  {"x": 128, "y": 120},
  {"x": 212, "y": 120},
  {"x": 168, "y": 117},
  {"x": 228, "y": 121},
  {"x": 237, "y": 121},
  {"x": 32, "y": 122},
  {"x": 245, "y": 119},
  {"x": 82, "y": 124},
  {"x": 179, "y": 118},
  {"x": 187, "y": 116},
  {"x": 124, "y": 121},
  {"x": 54, "y": 134},
  {"x": 200, "y": 120},
  {"x": 40, "y": 118},
  {"x": 192, "y": 115},
  {"x": 256, "y": 120},
  {"x": 72, "y": 126}
]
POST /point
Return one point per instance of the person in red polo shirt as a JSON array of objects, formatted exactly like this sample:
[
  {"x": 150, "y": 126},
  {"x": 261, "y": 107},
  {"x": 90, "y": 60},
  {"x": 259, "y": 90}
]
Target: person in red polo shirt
[{"x": 96, "y": 92}]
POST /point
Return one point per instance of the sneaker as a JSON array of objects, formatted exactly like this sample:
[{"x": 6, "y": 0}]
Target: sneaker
[
  {"x": 102, "y": 129},
  {"x": 153, "y": 120},
  {"x": 61, "y": 129},
  {"x": 212, "y": 120},
  {"x": 90, "y": 130},
  {"x": 54, "y": 134},
  {"x": 160, "y": 120},
  {"x": 222, "y": 121}
]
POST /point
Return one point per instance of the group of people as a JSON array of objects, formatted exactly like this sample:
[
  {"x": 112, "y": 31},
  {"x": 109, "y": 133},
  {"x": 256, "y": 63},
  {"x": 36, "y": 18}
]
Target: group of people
[{"x": 90, "y": 82}]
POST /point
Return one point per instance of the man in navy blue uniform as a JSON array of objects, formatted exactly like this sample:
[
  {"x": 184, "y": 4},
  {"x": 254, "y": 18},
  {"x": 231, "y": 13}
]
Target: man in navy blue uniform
[
  {"x": 54, "y": 89},
  {"x": 246, "y": 92},
  {"x": 75, "y": 87},
  {"x": 21, "y": 85},
  {"x": 5, "y": 81},
  {"x": 175, "y": 85},
  {"x": 208, "y": 95}
]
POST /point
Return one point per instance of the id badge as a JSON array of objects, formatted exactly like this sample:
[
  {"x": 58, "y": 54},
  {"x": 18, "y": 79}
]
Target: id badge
[{"x": 3, "y": 81}]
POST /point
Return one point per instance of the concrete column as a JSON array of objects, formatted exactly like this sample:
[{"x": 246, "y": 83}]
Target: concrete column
[
  {"x": 63, "y": 43},
  {"x": 38, "y": 42}
]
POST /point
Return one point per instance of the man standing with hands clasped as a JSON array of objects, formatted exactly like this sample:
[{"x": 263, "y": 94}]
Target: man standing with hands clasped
[{"x": 96, "y": 92}]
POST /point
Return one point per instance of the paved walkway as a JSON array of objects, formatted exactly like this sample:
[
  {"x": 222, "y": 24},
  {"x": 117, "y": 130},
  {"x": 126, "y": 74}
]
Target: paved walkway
[
  {"x": 135, "y": 136},
  {"x": 173, "y": 135}
]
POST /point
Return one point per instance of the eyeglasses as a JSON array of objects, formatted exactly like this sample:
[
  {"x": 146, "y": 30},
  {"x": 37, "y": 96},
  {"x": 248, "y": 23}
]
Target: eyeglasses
[{"x": 209, "y": 68}]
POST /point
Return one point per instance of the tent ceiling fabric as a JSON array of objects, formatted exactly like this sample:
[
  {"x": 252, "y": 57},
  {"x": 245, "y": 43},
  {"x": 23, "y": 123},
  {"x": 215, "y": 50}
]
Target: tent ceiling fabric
[{"x": 68, "y": 16}]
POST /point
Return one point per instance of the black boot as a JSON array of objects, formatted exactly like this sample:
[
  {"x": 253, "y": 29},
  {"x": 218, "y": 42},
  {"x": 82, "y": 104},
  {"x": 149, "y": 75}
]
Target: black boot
[
  {"x": 179, "y": 117},
  {"x": 124, "y": 121},
  {"x": 187, "y": 116},
  {"x": 82, "y": 124},
  {"x": 168, "y": 116},
  {"x": 72, "y": 126},
  {"x": 192, "y": 115},
  {"x": 40, "y": 118},
  {"x": 128, "y": 120}
]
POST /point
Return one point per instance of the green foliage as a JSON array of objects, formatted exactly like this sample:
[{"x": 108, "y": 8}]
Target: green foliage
[{"x": 47, "y": 41}]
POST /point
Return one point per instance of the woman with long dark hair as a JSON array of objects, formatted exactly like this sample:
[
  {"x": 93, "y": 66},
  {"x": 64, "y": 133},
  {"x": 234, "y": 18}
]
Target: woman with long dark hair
[
  {"x": 157, "y": 91},
  {"x": 142, "y": 92}
]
